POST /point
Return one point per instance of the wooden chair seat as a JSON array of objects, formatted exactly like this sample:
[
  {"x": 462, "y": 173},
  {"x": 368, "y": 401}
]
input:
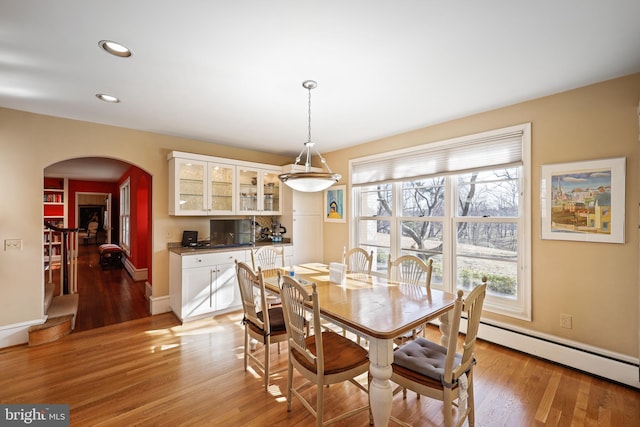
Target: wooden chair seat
[
  {"x": 344, "y": 356},
  {"x": 276, "y": 322}
]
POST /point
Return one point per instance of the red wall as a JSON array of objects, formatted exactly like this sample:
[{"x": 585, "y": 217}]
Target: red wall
[
  {"x": 140, "y": 181},
  {"x": 140, "y": 248}
]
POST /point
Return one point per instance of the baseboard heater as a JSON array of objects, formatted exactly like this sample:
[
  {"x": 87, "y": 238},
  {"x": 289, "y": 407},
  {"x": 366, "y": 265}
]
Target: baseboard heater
[{"x": 595, "y": 361}]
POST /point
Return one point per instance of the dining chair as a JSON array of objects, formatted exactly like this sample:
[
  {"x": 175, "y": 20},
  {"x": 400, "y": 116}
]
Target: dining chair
[
  {"x": 357, "y": 260},
  {"x": 440, "y": 372},
  {"x": 91, "y": 233},
  {"x": 413, "y": 270},
  {"x": 263, "y": 324},
  {"x": 322, "y": 358},
  {"x": 268, "y": 258}
]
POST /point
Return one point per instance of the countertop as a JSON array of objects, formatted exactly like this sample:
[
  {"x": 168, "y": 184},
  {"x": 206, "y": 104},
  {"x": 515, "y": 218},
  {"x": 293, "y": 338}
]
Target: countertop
[{"x": 192, "y": 251}]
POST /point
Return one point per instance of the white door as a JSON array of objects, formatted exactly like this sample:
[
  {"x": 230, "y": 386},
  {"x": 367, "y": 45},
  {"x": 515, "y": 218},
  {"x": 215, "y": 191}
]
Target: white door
[{"x": 307, "y": 244}]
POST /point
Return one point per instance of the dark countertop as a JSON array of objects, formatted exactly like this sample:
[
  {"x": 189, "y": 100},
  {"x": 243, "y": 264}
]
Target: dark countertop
[{"x": 205, "y": 250}]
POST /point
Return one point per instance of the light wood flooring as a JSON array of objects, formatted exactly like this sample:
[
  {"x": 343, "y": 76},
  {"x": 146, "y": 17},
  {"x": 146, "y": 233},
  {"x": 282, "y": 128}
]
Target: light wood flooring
[{"x": 153, "y": 371}]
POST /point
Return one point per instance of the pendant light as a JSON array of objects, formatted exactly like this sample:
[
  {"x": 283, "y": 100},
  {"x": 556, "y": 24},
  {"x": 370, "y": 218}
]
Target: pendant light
[{"x": 309, "y": 181}]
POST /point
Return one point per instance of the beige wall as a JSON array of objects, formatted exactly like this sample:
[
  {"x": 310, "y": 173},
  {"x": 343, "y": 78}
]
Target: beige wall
[
  {"x": 596, "y": 283},
  {"x": 31, "y": 142}
]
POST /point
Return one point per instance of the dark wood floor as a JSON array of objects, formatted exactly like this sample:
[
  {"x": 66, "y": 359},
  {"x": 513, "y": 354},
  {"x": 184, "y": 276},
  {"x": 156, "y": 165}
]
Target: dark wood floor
[{"x": 106, "y": 297}]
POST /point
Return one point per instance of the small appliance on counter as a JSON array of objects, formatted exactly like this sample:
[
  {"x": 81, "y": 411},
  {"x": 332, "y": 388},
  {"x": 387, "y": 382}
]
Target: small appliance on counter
[
  {"x": 277, "y": 231},
  {"x": 189, "y": 239}
]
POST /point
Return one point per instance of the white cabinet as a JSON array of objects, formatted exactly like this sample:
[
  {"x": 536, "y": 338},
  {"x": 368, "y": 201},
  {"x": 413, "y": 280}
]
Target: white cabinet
[
  {"x": 205, "y": 185},
  {"x": 198, "y": 187},
  {"x": 308, "y": 243},
  {"x": 204, "y": 284},
  {"x": 258, "y": 191},
  {"x": 302, "y": 216}
]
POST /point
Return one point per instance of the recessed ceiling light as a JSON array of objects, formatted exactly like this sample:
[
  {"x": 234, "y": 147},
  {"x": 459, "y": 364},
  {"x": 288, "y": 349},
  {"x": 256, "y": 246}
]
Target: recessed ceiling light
[
  {"x": 114, "y": 48},
  {"x": 107, "y": 98}
]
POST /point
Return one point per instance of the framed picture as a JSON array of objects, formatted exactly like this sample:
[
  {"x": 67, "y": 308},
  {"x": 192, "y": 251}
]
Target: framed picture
[
  {"x": 334, "y": 209},
  {"x": 584, "y": 201}
]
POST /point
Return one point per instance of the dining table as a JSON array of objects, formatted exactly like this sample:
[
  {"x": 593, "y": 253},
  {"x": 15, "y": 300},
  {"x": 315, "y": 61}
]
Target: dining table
[{"x": 377, "y": 308}]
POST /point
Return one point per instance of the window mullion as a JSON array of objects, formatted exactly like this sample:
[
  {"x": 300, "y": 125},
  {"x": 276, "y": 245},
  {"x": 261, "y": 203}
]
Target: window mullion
[{"x": 449, "y": 243}]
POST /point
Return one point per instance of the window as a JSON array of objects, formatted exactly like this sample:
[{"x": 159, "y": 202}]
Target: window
[
  {"x": 467, "y": 210},
  {"x": 125, "y": 215}
]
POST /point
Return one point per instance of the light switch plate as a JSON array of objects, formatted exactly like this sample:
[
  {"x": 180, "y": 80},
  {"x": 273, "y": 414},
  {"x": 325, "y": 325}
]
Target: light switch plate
[{"x": 13, "y": 244}]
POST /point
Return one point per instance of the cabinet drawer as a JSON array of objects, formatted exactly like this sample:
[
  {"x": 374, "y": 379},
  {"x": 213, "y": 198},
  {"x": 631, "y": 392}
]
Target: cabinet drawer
[{"x": 210, "y": 259}]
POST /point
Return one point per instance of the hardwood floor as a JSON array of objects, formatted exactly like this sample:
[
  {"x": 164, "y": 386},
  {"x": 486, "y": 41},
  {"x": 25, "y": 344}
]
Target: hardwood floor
[
  {"x": 153, "y": 371},
  {"x": 106, "y": 297}
]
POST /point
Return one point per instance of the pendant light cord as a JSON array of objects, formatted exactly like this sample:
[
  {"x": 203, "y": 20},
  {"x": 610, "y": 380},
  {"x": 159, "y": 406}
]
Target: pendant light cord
[{"x": 309, "y": 126}]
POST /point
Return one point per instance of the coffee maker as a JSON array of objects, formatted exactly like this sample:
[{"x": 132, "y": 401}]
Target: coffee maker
[{"x": 277, "y": 230}]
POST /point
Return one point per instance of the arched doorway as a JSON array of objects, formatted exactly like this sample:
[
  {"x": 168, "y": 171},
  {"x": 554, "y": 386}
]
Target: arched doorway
[{"x": 92, "y": 186}]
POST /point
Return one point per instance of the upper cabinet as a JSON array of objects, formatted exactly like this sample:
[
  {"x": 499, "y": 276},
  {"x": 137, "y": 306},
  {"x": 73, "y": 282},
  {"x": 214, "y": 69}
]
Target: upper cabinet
[
  {"x": 198, "y": 187},
  {"x": 259, "y": 191},
  {"x": 205, "y": 185}
]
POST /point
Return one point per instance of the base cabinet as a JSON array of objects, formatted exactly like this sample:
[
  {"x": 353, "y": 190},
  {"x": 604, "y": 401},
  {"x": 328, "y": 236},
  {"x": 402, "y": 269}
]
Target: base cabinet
[{"x": 202, "y": 285}]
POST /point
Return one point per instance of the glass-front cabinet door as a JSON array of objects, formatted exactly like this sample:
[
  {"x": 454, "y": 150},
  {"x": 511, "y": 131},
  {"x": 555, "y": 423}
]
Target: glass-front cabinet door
[
  {"x": 221, "y": 179},
  {"x": 258, "y": 192},
  {"x": 201, "y": 188},
  {"x": 189, "y": 180},
  {"x": 248, "y": 191},
  {"x": 271, "y": 193}
]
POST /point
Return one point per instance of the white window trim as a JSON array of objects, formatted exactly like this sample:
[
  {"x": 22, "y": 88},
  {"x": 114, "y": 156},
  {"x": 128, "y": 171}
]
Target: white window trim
[
  {"x": 125, "y": 216},
  {"x": 522, "y": 308}
]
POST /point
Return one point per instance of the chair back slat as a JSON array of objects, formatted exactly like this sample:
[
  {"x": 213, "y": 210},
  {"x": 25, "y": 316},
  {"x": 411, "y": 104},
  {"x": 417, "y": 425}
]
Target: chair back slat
[
  {"x": 358, "y": 260},
  {"x": 267, "y": 257},
  {"x": 253, "y": 295},
  {"x": 472, "y": 306},
  {"x": 411, "y": 269},
  {"x": 296, "y": 302}
]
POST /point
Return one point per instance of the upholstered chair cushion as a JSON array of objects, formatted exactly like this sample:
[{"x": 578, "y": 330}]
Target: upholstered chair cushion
[{"x": 424, "y": 357}]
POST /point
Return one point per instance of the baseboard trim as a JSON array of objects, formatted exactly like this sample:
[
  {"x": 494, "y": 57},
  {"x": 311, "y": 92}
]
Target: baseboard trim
[
  {"x": 18, "y": 333},
  {"x": 158, "y": 305},
  {"x": 613, "y": 366},
  {"x": 137, "y": 274}
]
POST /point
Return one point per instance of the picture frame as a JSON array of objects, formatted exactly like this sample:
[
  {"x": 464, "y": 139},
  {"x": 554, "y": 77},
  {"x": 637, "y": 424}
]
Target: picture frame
[
  {"x": 334, "y": 204},
  {"x": 584, "y": 201}
]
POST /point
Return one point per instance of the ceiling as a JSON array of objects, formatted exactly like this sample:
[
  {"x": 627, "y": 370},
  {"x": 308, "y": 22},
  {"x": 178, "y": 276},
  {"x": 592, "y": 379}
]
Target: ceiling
[{"x": 231, "y": 72}]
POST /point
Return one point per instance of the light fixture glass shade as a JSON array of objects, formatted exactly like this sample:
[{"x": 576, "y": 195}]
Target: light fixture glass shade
[{"x": 309, "y": 182}]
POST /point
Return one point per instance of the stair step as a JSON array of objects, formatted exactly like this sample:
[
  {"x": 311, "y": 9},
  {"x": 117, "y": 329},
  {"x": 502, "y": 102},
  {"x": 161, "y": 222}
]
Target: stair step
[
  {"x": 51, "y": 330},
  {"x": 63, "y": 305}
]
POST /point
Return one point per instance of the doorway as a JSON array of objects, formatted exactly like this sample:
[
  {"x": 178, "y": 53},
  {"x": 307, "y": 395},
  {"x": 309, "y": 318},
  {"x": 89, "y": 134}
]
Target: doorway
[
  {"x": 113, "y": 295},
  {"x": 94, "y": 206}
]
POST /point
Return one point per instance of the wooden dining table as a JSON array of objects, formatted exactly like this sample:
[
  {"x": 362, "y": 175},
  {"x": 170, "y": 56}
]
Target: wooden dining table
[{"x": 377, "y": 308}]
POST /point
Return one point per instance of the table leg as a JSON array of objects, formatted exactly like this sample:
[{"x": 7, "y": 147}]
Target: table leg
[
  {"x": 445, "y": 328},
  {"x": 380, "y": 391}
]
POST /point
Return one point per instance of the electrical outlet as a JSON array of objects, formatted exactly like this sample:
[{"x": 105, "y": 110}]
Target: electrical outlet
[
  {"x": 13, "y": 244},
  {"x": 566, "y": 321}
]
